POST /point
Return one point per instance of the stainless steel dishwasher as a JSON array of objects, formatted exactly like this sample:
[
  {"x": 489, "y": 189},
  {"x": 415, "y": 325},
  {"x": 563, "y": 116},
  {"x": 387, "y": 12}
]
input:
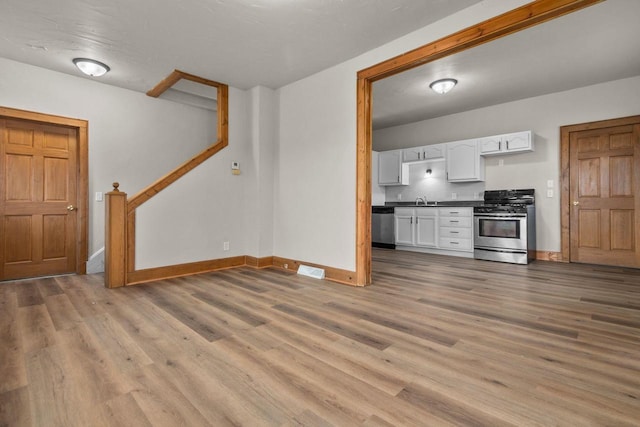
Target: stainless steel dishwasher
[{"x": 382, "y": 227}]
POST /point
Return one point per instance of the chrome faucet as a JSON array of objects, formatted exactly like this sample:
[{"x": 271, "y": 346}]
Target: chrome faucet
[{"x": 421, "y": 199}]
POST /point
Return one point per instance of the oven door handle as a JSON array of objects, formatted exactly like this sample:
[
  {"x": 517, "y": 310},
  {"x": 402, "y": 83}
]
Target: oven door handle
[{"x": 505, "y": 215}]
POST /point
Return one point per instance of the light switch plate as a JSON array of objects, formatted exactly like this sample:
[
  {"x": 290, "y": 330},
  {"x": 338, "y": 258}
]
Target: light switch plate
[
  {"x": 549, "y": 183},
  {"x": 98, "y": 196},
  {"x": 549, "y": 193}
]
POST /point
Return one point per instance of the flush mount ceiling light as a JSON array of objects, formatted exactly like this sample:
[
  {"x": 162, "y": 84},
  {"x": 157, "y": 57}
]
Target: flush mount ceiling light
[
  {"x": 91, "y": 67},
  {"x": 443, "y": 85}
]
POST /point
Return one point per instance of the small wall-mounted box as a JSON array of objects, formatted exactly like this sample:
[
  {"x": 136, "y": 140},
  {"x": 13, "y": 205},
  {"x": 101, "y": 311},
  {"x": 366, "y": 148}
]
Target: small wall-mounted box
[{"x": 235, "y": 168}]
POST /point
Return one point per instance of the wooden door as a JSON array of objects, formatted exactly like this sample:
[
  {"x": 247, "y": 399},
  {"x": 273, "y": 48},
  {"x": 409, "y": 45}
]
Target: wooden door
[
  {"x": 603, "y": 195},
  {"x": 38, "y": 199}
]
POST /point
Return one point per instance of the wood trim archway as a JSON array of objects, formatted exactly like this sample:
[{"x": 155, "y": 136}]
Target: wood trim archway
[
  {"x": 82, "y": 248},
  {"x": 513, "y": 21}
]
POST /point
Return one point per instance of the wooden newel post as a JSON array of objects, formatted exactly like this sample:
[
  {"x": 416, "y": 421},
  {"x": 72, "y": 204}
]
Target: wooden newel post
[{"x": 115, "y": 249}]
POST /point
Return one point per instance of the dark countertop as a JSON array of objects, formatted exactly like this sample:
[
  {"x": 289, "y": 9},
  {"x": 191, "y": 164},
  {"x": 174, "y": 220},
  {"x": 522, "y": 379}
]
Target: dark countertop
[{"x": 443, "y": 204}]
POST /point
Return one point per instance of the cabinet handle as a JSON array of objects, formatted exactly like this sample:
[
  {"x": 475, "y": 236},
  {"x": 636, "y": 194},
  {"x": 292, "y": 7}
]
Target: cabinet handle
[
  {"x": 454, "y": 232},
  {"x": 411, "y": 221},
  {"x": 454, "y": 243},
  {"x": 452, "y": 212},
  {"x": 451, "y": 220}
]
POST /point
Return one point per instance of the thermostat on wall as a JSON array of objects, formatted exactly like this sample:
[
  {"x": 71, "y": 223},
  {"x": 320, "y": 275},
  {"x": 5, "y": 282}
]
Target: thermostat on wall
[{"x": 235, "y": 168}]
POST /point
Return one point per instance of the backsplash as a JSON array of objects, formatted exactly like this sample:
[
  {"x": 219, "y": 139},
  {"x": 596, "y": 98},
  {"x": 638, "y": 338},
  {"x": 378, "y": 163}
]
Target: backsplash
[{"x": 434, "y": 187}]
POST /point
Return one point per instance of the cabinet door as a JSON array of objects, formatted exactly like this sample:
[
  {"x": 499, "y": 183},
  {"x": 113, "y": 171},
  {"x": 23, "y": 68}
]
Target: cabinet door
[
  {"x": 413, "y": 154},
  {"x": 520, "y": 141},
  {"x": 464, "y": 162},
  {"x": 389, "y": 167},
  {"x": 436, "y": 151},
  {"x": 404, "y": 228},
  {"x": 426, "y": 226},
  {"x": 490, "y": 144}
]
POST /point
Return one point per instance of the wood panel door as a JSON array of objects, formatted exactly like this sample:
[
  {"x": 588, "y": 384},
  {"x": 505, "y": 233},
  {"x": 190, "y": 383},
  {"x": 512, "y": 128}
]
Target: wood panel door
[
  {"x": 603, "y": 195},
  {"x": 38, "y": 199}
]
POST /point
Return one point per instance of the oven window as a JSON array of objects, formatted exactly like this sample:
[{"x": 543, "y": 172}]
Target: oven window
[{"x": 504, "y": 228}]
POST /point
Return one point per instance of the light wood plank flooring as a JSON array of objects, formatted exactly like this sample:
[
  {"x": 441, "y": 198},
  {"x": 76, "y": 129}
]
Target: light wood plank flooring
[{"x": 435, "y": 341}]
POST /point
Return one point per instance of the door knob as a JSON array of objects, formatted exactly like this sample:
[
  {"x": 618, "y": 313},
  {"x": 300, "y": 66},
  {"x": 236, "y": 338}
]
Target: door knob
[
  {"x": 71, "y": 208},
  {"x": 576, "y": 203}
]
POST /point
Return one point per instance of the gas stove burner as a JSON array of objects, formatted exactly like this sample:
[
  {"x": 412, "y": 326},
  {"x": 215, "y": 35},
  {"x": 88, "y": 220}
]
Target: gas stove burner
[
  {"x": 517, "y": 208},
  {"x": 513, "y": 198}
]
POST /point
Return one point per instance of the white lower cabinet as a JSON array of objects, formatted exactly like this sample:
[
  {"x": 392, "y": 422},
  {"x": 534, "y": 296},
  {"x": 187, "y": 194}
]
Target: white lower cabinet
[
  {"x": 426, "y": 227},
  {"x": 456, "y": 229},
  {"x": 404, "y": 226},
  {"x": 445, "y": 230},
  {"x": 416, "y": 226}
]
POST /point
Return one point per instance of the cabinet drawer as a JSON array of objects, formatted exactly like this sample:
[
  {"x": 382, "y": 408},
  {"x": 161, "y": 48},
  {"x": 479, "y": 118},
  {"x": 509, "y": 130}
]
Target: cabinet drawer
[
  {"x": 453, "y": 243},
  {"x": 455, "y": 222},
  {"x": 456, "y": 212},
  {"x": 455, "y": 232}
]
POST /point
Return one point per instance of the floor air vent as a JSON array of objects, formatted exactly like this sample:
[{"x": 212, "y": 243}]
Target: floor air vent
[{"x": 316, "y": 273}]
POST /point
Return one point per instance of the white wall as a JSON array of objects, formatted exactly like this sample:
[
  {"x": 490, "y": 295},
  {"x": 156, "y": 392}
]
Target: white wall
[
  {"x": 544, "y": 115},
  {"x": 434, "y": 187},
  {"x": 135, "y": 139},
  {"x": 191, "y": 219},
  {"x": 260, "y": 168},
  {"x": 314, "y": 191}
]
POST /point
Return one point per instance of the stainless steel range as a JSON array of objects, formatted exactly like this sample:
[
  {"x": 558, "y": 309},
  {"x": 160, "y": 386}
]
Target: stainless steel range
[{"x": 505, "y": 226}]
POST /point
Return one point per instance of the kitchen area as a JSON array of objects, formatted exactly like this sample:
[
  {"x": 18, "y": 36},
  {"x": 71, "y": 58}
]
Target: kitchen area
[{"x": 432, "y": 199}]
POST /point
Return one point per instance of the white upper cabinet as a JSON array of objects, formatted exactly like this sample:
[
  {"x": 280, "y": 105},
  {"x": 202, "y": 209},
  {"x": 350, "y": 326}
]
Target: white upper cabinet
[
  {"x": 506, "y": 144},
  {"x": 413, "y": 154},
  {"x": 421, "y": 154},
  {"x": 464, "y": 163},
  {"x": 490, "y": 145},
  {"x": 435, "y": 151},
  {"x": 391, "y": 170}
]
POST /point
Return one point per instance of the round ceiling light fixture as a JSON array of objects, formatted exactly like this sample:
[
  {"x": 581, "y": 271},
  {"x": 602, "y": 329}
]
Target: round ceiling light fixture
[
  {"x": 443, "y": 86},
  {"x": 91, "y": 67}
]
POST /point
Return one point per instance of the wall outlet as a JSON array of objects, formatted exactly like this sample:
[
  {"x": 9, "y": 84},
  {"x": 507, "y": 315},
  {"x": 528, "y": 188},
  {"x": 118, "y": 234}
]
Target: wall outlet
[
  {"x": 99, "y": 197},
  {"x": 225, "y": 246},
  {"x": 399, "y": 196},
  {"x": 549, "y": 193},
  {"x": 454, "y": 196},
  {"x": 549, "y": 183},
  {"x": 500, "y": 162}
]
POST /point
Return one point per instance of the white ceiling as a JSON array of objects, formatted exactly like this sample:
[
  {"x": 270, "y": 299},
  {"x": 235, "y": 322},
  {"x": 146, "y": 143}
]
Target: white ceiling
[
  {"x": 598, "y": 44},
  {"x": 243, "y": 43}
]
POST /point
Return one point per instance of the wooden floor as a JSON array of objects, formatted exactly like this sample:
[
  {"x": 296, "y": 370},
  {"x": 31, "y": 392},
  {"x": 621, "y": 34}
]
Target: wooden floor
[{"x": 435, "y": 341}]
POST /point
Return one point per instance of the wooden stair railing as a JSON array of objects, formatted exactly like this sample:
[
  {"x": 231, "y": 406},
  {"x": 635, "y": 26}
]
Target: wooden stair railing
[{"x": 120, "y": 212}]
